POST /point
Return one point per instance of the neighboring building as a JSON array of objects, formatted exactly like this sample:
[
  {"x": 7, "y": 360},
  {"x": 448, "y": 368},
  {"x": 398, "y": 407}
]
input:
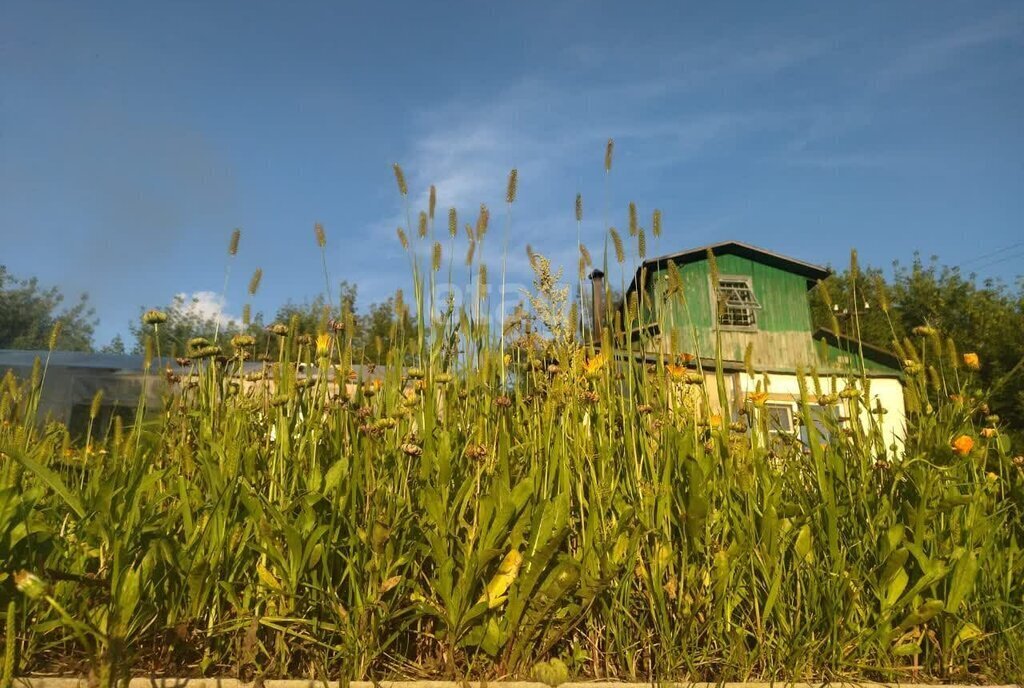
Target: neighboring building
[
  {"x": 760, "y": 301},
  {"x": 73, "y": 378}
]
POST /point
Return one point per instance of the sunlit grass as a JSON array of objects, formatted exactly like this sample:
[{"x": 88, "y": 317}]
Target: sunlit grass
[{"x": 507, "y": 503}]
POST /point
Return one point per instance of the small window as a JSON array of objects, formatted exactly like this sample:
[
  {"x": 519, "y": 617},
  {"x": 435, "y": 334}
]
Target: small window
[
  {"x": 737, "y": 306},
  {"x": 824, "y": 419},
  {"x": 780, "y": 417}
]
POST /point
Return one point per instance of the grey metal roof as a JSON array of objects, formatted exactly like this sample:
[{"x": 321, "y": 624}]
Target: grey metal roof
[{"x": 16, "y": 358}]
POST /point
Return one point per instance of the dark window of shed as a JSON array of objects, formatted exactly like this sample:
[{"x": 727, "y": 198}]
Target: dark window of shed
[{"x": 737, "y": 306}]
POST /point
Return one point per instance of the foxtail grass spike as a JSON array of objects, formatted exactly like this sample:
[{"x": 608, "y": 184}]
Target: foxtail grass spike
[
  {"x": 453, "y": 222},
  {"x": 400, "y": 179},
  {"x": 432, "y": 202},
  {"x": 608, "y": 150},
  {"x": 435, "y": 257},
  {"x": 58, "y": 325},
  {"x": 634, "y": 225},
  {"x": 236, "y": 236},
  {"x": 579, "y": 207},
  {"x": 656, "y": 223},
  {"x": 585, "y": 255},
  {"x": 641, "y": 243},
  {"x": 620, "y": 250},
  {"x": 422, "y": 228},
  {"x": 513, "y": 186},
  {"x": 254, "y": 282},
  {"x": 402, "y": 238},
  {"x": 482, "y": 221},
  {"x": 321, "y": 236}
]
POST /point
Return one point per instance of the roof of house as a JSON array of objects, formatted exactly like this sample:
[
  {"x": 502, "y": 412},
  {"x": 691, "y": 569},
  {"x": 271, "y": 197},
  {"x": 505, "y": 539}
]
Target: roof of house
[
  {"x": 872, "y": 353},
  {"x": 812, "y": 272},
  {"x": 18, "y": 358}
]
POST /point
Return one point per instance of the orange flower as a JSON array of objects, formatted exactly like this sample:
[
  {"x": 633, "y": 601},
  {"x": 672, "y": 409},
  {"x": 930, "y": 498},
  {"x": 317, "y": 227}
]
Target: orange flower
[
  {"x": 963, "y": 445},
  {"x": 972, "y": 361},
  {"x": 676, "y": 372},
  {"x": 758, "y": 398}
]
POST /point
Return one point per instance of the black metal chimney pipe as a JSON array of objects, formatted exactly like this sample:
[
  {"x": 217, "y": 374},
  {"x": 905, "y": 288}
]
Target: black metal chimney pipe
[{"x": 597, "y": 304}]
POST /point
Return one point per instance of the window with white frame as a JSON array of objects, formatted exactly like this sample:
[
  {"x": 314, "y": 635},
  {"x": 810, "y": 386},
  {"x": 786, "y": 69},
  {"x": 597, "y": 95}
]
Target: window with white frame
[
  {"x": 736, "y": 303},
  {"x": 779, "y": 417}
]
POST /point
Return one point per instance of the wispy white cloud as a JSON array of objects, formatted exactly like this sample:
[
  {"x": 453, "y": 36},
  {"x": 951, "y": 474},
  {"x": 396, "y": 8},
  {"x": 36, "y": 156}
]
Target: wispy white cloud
[{"x": 206, "y": 305}]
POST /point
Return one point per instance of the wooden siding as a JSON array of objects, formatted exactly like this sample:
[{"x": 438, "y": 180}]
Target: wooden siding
[{"x": 782, "y": 339}]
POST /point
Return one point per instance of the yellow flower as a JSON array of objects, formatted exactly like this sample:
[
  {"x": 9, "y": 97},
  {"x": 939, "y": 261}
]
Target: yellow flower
[
  {"x": 972, "y": 361},
  {"x": 508, "y": 571},
  {"x": 592, "y": 366},
  {"x": 963, "y": 445},
  {"x": 989, "y": 433},
  {"x": 323, "y": 344},
  {"x": 758, "y": 398}
]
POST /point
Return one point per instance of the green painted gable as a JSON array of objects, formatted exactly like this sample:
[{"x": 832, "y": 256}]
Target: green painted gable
[{"x": 784, "y": 338}]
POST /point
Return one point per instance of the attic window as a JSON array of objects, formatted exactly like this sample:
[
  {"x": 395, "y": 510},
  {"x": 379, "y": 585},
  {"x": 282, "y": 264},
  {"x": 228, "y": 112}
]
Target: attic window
[{"x": 737, "y": 306}]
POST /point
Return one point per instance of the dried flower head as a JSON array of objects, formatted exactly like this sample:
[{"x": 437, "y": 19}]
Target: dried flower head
[
  {"x": 279, "y": 329},
  {"x": 242, "y": 341},
  {"x": 152, "y": 317}
]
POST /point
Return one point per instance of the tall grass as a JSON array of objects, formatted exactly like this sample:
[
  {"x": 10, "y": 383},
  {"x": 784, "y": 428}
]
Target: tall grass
[{"x": 509, "y": 504}]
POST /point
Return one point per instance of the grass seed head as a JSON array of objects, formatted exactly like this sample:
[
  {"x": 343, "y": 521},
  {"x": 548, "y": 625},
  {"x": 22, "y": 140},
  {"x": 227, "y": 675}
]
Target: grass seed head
[
  {"x": 482, "y": 221},
  {"x": 400, "y": 179},
  {"x": 432, "y": 202},
  {"x": 608, "y": 150},
  {"x": 236, "y": 235},
  {"x": 254, "y": 281},
  {"x": 620, "y": 250},
  {"x": 513, "y": 186},
  {"x": 453, "y": 222}
]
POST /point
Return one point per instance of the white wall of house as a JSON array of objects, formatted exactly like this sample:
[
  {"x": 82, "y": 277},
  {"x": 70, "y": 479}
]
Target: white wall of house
[{"x": 784, "y": 389}]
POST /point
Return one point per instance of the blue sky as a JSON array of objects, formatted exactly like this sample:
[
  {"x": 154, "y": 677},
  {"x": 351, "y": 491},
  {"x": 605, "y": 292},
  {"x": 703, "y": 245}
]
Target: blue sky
[{"x": 135, "y": 136}]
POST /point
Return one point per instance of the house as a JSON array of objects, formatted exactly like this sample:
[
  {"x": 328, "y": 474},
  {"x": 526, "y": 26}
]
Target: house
[{"x": 757, "y": 305}]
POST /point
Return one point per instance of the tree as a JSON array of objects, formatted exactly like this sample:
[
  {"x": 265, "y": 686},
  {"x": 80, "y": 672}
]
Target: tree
[
  {"x": 28, "y": 314},
  {"x": 986, "y": 318}
]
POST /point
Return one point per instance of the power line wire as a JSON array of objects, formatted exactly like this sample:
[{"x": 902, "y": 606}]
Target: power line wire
[{"x": 991, "y": 253}]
